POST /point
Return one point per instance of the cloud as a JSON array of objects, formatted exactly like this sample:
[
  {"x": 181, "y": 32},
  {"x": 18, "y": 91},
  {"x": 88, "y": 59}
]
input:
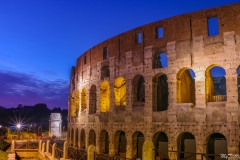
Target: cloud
[{"x": 26, "y": 89}]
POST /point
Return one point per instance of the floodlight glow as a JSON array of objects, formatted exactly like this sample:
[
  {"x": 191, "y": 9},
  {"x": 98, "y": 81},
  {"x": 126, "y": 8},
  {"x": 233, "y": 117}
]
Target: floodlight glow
[{"x": 18, "y": 126}]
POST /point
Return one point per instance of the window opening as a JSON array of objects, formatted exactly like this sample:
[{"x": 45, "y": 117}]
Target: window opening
[
  {"x": 139, "y": 37},
  {"x": 213, "y": 29},
  {"x": 105, "y": 52},
  {"x": 159, "y": 32}
]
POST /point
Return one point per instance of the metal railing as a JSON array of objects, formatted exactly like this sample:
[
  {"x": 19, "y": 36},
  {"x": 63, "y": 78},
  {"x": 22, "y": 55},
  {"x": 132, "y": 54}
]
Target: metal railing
[
  {"x": 58, "y": 153},
  {"x": 219, "y": 98},
  {"x": 77, "y": 153},
  {"x": 204, "y": 156},
  {"x": 50, "y": 148},
  {"x": 26, "y": 145}
]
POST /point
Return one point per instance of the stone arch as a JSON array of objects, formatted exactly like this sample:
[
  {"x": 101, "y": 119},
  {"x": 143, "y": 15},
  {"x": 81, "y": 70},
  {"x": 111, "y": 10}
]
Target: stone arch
[
  {"x": 160, "y": 141},
  {"x": 93, "y": 100},
  {"x": 104, "y": 142},
  {"x": 138, "y": 89},
  {"x": 138, "y": 140},
  {"x": 76, "y": 138},
  {"x": 186, "y": 86},
  {"x": 160, "y": 92},
  {"x": 217, "y": 144},
  {"x": 120, "y": 92},
  {"x": 72, "y": 104},
  {"x": 104, "y": 97},
  {"x": 160, "y": 60},
  {"x": 82, "y": 139},
  {"x": 77, "y": 101},
  {"x": 148, "y": 148},
  {"x": 92, "y": 137},
  {"x": 186, "y": 143},
  {"x": 105, "y": 72},
  {"x": 72, "y": 137},
  {"x": 215, "y": 84},
  {"x": 120, "y": 143},
  {"x": 84, "y": 99}
]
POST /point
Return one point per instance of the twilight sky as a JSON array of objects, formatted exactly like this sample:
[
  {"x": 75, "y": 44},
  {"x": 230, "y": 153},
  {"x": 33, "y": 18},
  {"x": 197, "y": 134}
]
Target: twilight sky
[{"x": 41, "y": 39}]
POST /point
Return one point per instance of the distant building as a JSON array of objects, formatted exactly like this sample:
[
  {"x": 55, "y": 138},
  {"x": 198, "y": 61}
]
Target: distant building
[{"x": 55, "y": 125}]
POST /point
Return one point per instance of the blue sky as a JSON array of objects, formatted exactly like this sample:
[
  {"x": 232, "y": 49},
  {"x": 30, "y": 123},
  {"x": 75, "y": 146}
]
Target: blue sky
[{"x": 41, "y": 39}]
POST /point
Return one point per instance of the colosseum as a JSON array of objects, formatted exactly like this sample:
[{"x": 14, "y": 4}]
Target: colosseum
[{"x": 165, "y": 90}]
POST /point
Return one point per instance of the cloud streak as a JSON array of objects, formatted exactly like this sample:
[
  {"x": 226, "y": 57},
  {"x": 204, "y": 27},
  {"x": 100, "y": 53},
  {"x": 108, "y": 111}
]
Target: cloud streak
[{"x": 22, "y": 88}]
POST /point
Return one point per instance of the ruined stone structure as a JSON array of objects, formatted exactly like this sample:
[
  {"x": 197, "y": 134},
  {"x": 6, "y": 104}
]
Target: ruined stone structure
[
  {"x": 55, "y": 125},
  {"x": 123, "y": 101}
]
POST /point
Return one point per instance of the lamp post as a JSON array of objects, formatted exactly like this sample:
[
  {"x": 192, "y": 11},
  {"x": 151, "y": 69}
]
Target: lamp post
[{"x": 18, "y": 126}]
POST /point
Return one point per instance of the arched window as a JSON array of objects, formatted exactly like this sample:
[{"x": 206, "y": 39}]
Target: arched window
[
  {"x": 92, "y": 137},
  {"x": 215, "y": 83},
  {"x": 72, "y": 105},
  {"x": 160, "y": 60},
  {"x": 84, "y": 99},
  {"x": 238, "y": 84},
  {"x": 217, "y": 144},
  {"x": 160, "y": 141},
  {"x": 120, "y": 144},
  {"x": 186, "y": 86},
  {"x": 92, "y": 100},
  {"x": 186, "y": 143},
  {"x": 77, "y": 100},
  {"x": 138, "y": 140},
  {"x": 105, "y": 72},
  {"x": 120, "y": 92},
  {"x": 104, "y": 142},
  {"x": 138, "y": 89},
  {"x": 82, "y": 139},
  {"x": 104, "y": 97},
  {"x": 160, "y": 93}
]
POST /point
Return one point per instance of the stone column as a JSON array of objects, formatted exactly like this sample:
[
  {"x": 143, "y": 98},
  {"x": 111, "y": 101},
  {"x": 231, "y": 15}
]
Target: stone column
[
  {"x": 111, "y": 96},
  {"x": 172, "y": 143},
  {"x": 43, "y": 147},
  {"x": 111, "y": 144},
  {"x": 40, "y": 145},
  {"x": 98, "y": 142},
  {"x": 200, "y": 87},
  {"x": 47, "y": 147},
  {"x": 53, "y": 150},
  {"x": 148, "y": 99},
  {"x": 129, "y": 146},
  {"x": 12, "y": 146}
]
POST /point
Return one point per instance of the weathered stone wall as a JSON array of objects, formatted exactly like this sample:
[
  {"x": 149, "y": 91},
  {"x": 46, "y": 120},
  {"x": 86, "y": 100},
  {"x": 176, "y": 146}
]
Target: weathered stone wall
[{"x": 187, "y": 46}]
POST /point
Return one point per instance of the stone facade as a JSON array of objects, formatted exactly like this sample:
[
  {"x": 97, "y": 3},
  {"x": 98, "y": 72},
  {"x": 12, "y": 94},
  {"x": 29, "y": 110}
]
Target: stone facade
[{"x": 124, "y": 103}]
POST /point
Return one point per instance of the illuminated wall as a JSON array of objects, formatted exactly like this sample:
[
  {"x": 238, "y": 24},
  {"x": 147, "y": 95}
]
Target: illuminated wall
[
  {"x": 185, "y": 87},
  {"x": 119, "y": 92},
  {"x": 84, "y": 99},
  {"x": 72, "y": 105},
  {"x": 77, "y": 100},
  {"x": 104, "y": 97}
]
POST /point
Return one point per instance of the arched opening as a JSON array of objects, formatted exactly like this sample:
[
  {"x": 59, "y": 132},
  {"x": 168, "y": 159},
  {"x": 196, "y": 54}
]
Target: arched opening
[
  {"x": 104, "y": 142},
  {"x": 217, "y": 144},
  {"x": 138, "y": 140},
  {"x": 104, "y": 97},
  {"x": 160, "y": 60},
  {"x": 93, "y": 100},
  {"x": 120, "y": 92},
  {"x": 160, "y": 141},
  {"x": 187, "y": 143},
  {"x": 72, "y": 137},
  {"x": 105, "y": 72},
  {"x": 72, "y": 105},
  {"x": 84, "y": 99},
  {"x": 92, "y": 137},
  {"x": 186, "y": 86},
  {"x": 215, "y": 83},
  {"x": 120, "y": 144},
  {"x": 76, "y": 138},
  {"x": 82, "y": 139},
  {"x": 77, "y": 100},
  {"x": 160, "y": 92},
  {"x": 138, "y": 90},
  {"x": 238, "y": 84}
]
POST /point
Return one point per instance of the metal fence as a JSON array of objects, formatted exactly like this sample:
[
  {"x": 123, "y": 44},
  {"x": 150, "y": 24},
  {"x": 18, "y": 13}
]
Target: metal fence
[
  {"x": 58, "y": 153},
  {"x": 50, "y": 148},
  {"x": 26, "y": 144},
  {"x": 77, "y": 153}
]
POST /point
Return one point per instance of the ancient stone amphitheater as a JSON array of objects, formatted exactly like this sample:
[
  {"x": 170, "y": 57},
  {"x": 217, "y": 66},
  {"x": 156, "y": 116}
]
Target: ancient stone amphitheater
[{"x": 151, "y": 91}]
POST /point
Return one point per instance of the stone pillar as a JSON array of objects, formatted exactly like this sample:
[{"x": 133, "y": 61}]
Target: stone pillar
[
  {"x": 148, "y": 100},
  {"x": 74, "y": 138},
  {"x": 129, "y": 146},
  {"x": 40, "y": 145},
  {"x": 91, "y": 152},
  {"x": 43, "y": 147},
  {"x": 47, "y": 147},
  {"x": 172, "y": 90},
  {"x": 128, "y": 100},
  {"x": 97, "y": 147},
  {"x": 200, "y": 87},
  {"x": 53, "y": 150},
  {"x": 172, "y": 143},
  {"x": 65, "y": 151},
  {"x": 112, "y": 69},
  {"x": 12, "y": 146},
  {"x": 111, "y": 144},
  {"x": 111, "y": 96},
  {"x": 148, "y": 54},
  {"x": 98, "y": 98}
]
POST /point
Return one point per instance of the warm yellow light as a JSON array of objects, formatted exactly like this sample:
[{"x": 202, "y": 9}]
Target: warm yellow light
[{"x": 104, "y": 97}]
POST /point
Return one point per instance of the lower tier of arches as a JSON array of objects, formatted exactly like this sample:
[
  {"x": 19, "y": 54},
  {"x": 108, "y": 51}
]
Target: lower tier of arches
[{"x": 149, "y": 142}]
